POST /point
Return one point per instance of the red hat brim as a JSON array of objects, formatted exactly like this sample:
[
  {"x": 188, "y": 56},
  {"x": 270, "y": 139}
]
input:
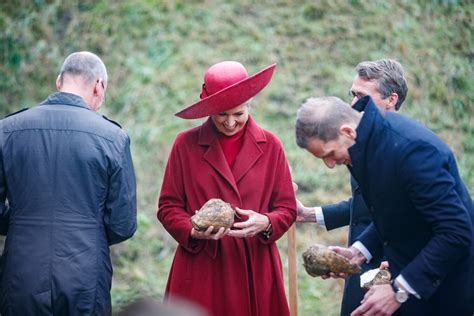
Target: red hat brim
[{"x": 229, "y": 97}]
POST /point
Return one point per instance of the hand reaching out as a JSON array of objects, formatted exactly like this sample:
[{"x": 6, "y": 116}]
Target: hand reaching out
[
  {"x": 305, "y": 214},
  {"x": 295, "y": 187},
  {"x": 351, "y": 253}
]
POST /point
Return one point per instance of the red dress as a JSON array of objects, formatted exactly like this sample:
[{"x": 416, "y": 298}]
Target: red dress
[{"x": 231, "y": 276}]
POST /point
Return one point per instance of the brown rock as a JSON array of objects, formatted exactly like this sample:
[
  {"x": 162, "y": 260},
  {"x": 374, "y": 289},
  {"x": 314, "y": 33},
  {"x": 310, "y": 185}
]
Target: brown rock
[
  {"x": 319, "y": 260},
  {"x": 214, "y": 212},
  {"x": 380, "y": 277}
]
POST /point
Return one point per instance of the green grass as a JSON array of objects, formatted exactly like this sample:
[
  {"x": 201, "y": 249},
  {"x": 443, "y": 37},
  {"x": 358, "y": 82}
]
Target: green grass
[{"x": 157, "y": 52}]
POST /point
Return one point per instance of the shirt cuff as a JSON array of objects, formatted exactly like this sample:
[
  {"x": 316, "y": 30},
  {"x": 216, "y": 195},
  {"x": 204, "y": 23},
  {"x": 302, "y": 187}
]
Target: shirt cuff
[
  {"x": 404, "y": 284},
  {"x": 318, "y": 212},
  {"x": 360, "y": 246}
]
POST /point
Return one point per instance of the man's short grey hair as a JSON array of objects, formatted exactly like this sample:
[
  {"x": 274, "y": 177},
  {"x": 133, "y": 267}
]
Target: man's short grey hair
[
  {"x": 320, "y": 118},
  {"x": 389, "y": 75},
  {"x": 84, "y": 64}
]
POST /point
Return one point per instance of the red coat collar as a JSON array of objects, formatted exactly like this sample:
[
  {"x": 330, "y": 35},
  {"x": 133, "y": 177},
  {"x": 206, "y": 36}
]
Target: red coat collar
[{"x": 247, "y": 157}]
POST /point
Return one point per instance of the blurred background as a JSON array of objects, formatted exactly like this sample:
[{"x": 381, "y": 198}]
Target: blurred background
[{"x": 157, "y": 52}]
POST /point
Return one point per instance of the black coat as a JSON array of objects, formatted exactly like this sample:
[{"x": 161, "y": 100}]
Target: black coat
[
  {"x": 67, "y": 192},
  {"x": 354, "y": 213},
  {"x": 422, "y": 214}
]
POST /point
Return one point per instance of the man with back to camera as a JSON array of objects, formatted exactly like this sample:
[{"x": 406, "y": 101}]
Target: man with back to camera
[
  {"x": 385, "y": 82},
  {"x": 67, "y": 192},
  {"x": 422, "y": 214}
]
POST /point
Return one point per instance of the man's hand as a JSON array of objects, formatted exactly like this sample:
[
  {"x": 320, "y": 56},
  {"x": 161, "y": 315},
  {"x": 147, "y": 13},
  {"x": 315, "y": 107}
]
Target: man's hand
[
  {"x": 353, "y": 254},
  {"x": 305, "y": 214},
  {"x": 295, "y": 187},
  {"x": 379, "y": 300},
  {"x": 384, "y": 265},
  {"x": 254, "y": 224}
]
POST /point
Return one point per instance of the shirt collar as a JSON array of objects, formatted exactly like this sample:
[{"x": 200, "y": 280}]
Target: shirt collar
[{"x": 65, "y": 98}]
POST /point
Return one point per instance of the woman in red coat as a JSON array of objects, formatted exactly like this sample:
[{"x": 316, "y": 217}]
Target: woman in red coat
[{"x": 236, "y": 271}]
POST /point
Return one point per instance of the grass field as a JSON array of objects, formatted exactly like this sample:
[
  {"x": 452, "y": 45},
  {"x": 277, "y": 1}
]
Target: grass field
[{"x": 157, "y": 52}]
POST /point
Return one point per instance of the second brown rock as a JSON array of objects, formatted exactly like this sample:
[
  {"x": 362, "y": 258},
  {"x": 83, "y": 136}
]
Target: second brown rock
[{"x": 320, "y": 260}]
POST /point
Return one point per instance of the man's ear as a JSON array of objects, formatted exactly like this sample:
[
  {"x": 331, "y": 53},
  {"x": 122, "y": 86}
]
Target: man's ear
[
  {"x": 97, "y": 87},
  {"x": 392, "y": 102},
  {"x": 58, "y": 82},
  {"x": 348, "y": 131}
]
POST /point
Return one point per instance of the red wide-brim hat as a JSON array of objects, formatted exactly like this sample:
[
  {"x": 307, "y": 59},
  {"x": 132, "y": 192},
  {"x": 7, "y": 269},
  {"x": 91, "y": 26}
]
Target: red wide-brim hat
[{"x": 226, "y": 85}]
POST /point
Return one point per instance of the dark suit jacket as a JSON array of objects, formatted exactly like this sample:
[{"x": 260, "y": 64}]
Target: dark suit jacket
[
  {"x": 422, "y": 213},
  {"x": 354, "y": 213}
]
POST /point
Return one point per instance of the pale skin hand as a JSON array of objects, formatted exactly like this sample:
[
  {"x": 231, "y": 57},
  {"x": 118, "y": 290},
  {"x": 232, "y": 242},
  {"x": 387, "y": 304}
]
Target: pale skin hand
[
  {"x": 305, "y": 214},
  {"x": 384, "y": 265},
  {"x": 351, "y": 253},
  {"x": 295, "y": 187},
  {"x": 379, "y": 300},
  {"x": 255, "y": 224},
  {"x": 208, "y": 233}
]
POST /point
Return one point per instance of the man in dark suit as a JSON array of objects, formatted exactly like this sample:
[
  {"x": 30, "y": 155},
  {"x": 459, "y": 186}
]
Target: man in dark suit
[
  {"x": 422, "y": 214},
  {"x": 385, "y": 82},
  {"x": 67, "y": 192}
]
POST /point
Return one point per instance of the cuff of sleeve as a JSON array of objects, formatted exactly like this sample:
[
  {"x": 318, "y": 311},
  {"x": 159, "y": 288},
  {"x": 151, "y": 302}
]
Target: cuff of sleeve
[
  {"x": 318, "y": 213},
  {"x": 404, "y": 284},
  {"x": 360, "y": 246}
]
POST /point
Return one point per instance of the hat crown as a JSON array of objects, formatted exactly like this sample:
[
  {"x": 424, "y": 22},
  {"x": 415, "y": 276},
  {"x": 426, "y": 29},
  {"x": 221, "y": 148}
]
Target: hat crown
[
  {"x": 222, "y": 75},
  {"x": 227, "y": 85}
]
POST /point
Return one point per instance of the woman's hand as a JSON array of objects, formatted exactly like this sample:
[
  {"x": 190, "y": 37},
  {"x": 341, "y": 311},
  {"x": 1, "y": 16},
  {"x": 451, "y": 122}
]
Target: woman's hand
[
  {"x": 207, "y": 234},
  {"x": 255, "y": 224}
]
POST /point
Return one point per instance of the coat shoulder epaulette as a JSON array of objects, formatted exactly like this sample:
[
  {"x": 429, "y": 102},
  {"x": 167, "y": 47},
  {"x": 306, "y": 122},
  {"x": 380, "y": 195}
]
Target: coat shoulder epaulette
[
  {"x": 11, "y": 114},
  {"x": 111, "y": 121}
]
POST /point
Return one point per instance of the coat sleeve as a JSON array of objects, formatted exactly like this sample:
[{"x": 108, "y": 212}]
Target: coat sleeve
[
  {"x": 337, "y": 215},
  {"x": 371, "y": 240},
  {"x": 172, "y": 203},
  {"x": 427, "y": 175},
  {"x": 120, "y": 217},
  {"x": 283, "y": 202},
  {"x": 4, "y": 208}
]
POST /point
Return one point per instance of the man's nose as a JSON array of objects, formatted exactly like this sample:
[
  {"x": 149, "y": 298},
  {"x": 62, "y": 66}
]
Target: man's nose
[{"x": 230, "y": 121}]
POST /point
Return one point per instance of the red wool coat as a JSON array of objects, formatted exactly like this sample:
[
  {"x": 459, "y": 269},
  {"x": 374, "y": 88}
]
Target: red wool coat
[{"x": 231, "y": 276}]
